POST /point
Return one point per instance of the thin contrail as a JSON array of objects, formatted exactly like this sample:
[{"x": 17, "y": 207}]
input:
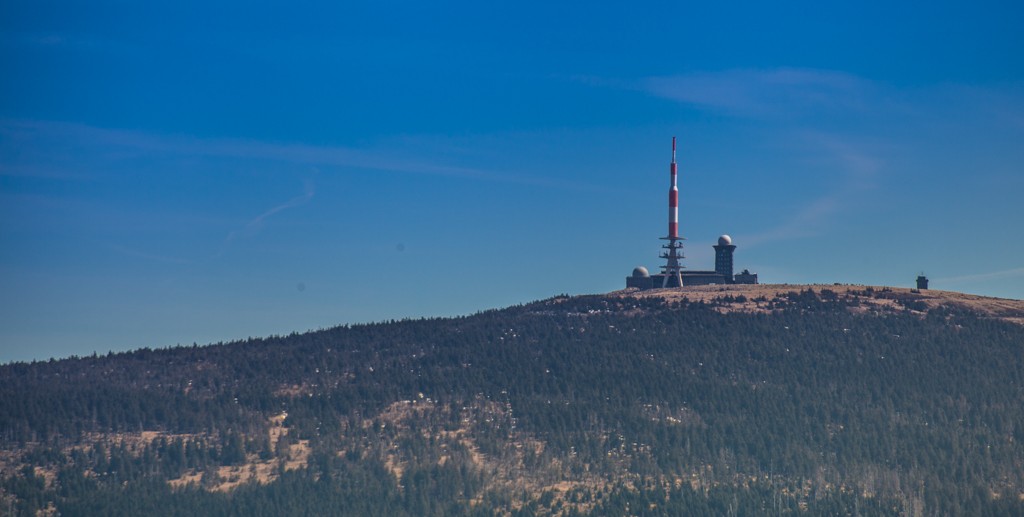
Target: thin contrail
[{"x": 254, "y": 224}]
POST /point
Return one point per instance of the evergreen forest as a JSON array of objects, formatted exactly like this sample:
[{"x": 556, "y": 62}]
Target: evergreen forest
[{"x": 584, "y": 405}]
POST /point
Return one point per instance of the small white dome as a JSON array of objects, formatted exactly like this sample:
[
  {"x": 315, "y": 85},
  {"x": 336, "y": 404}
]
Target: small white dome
[
  {"x": 640, "y": 272},
  {"x": 724, "y": 240}
]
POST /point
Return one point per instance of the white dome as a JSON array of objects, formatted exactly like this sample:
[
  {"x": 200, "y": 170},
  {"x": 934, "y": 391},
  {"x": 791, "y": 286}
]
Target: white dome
[
  {"x": 640, "y": 271},
  {"x": 724, "y": 240}
]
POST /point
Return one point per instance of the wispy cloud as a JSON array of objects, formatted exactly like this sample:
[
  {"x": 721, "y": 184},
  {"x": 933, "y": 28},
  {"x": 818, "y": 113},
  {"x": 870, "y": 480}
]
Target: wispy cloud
[
  {"x": 856, "y": 159},
  {"x": 19, "y": 136},
  {"x": 65, "y": 151},
  {"x": 853, "y": 165},
  {"x": 780, "y": 91},
  {"x": 995, "y": 275},
  {"x": 812, "y": 100},
  {"x": 809, "y": 221}
]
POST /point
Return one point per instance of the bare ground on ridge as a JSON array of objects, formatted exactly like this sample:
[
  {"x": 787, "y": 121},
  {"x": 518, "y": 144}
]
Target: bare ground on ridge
[{"x": 755, "y": 297}]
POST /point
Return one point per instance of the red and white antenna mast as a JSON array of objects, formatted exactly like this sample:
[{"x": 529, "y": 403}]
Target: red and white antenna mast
[
  {"x": 672, "y": 270},
  {"x": 673, "y": 198}
]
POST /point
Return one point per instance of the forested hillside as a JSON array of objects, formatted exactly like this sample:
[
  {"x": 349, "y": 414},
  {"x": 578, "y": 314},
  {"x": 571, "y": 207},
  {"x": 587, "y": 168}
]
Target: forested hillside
[{"x": 816, "y": 403}]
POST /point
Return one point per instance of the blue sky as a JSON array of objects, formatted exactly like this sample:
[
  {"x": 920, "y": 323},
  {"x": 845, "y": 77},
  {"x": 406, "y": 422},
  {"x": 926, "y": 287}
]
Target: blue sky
[{"x": 184, "y": 173}]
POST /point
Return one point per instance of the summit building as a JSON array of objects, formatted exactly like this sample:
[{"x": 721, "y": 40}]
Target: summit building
[{"x": 673, "y": 273}]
